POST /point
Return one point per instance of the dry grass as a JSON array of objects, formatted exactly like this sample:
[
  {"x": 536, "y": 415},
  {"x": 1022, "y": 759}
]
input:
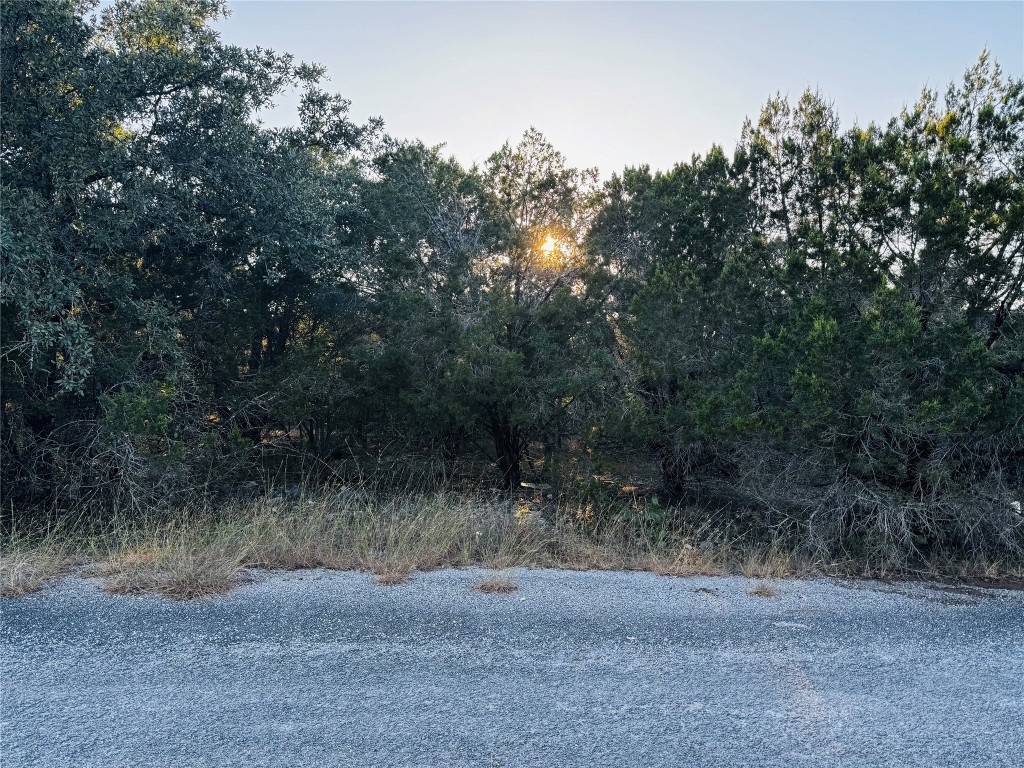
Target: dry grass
[
  {"x": 27, "y": 564},
  {"x": 689, "y": 561},
  {"x": 202, "y": 554},
  {"x": 205, "y": 552},
  {"x": 176, "y": 573},
  {"x": 391, "y": 578},
  {"x": 764, "y": 590},
  {"x": 771, "y": 563},
  {"x": 24, "y": 572},
  {"x": 496, "y": 585}
]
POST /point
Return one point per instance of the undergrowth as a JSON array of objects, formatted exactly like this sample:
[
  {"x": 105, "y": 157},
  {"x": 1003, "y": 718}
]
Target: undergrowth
[{"x": 201, "y": 551}]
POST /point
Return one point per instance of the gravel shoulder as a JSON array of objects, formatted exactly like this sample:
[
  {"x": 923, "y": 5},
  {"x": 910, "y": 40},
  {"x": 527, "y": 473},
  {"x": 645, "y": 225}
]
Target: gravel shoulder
[{"x": 316, "y": 668}]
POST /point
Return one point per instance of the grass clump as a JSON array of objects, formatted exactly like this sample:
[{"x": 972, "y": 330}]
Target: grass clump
[
  {"x": 764, "y": 590},
  {"x": 391, "y": 578},
  {"x": 496, "y": 585},
  {"x": 27, "y": 564},
  {"x": 181, "y": 570},
  {"x": 23, "y": 572}
]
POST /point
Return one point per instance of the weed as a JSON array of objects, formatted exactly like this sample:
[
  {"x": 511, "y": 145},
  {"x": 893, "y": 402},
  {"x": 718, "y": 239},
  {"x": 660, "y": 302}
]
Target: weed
[
  {"x": 764, "y": 590},
  {"x": 496, "y": 585},
  {"x": 391, "y": 578},
  {"x": 771, "y": 563}
]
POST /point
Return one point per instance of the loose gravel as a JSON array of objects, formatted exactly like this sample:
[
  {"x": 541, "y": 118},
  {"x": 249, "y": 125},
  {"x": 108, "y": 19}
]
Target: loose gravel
[{"x": 321, "y": 669}]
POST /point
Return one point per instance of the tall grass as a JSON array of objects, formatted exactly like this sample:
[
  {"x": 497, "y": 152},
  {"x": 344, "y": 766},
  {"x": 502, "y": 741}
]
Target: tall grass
[{"x": 202, "y": 551}]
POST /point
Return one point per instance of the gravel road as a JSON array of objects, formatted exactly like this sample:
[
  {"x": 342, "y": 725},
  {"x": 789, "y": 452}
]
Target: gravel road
[{"x": 573, "y": 669}]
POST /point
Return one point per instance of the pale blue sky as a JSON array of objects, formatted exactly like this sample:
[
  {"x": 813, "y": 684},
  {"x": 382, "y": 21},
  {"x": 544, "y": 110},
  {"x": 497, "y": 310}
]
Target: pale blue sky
[{"x": 616, "y": 84}]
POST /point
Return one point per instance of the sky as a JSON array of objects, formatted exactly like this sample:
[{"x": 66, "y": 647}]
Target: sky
[{"x": 618, "y": 84}]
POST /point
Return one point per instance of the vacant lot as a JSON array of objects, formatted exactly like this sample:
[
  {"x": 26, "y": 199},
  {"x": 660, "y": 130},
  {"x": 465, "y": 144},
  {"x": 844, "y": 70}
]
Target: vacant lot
[{"x": 322, "y": 668}]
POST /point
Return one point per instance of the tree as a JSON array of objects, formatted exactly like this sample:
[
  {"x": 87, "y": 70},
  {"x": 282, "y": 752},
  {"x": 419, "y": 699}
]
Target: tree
[
  {"x": 149, "y": 225},
  {"x": 687, "y": 304},
  {"x": 897, "y": 250},
  {"x": 490, "y": 295}
]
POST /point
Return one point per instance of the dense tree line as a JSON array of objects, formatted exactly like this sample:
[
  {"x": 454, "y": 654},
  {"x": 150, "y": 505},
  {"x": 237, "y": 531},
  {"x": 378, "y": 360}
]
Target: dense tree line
[{"x": 827, "y": 322}]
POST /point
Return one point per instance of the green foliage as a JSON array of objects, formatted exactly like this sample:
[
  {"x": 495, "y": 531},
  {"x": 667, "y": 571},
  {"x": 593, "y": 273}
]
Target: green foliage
[
  {"x": 850, "y": 301},
  {"x": 183, "y": 286},
  {"x": 145, "y": 412}
]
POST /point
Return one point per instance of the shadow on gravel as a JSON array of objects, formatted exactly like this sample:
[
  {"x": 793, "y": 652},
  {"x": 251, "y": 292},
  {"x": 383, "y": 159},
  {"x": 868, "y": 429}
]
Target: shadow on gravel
[{"x": 933, "y": 591}]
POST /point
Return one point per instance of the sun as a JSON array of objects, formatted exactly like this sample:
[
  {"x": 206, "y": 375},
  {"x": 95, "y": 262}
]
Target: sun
[{"x": 553, "y": 253}]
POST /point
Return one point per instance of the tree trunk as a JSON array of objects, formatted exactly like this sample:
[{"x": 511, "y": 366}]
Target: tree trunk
[{"x": 508, "y": 448}]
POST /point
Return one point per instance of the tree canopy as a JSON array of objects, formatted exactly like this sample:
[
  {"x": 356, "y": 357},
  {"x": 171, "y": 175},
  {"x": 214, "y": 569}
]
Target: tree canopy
[{"x": 826, "y": 322}]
